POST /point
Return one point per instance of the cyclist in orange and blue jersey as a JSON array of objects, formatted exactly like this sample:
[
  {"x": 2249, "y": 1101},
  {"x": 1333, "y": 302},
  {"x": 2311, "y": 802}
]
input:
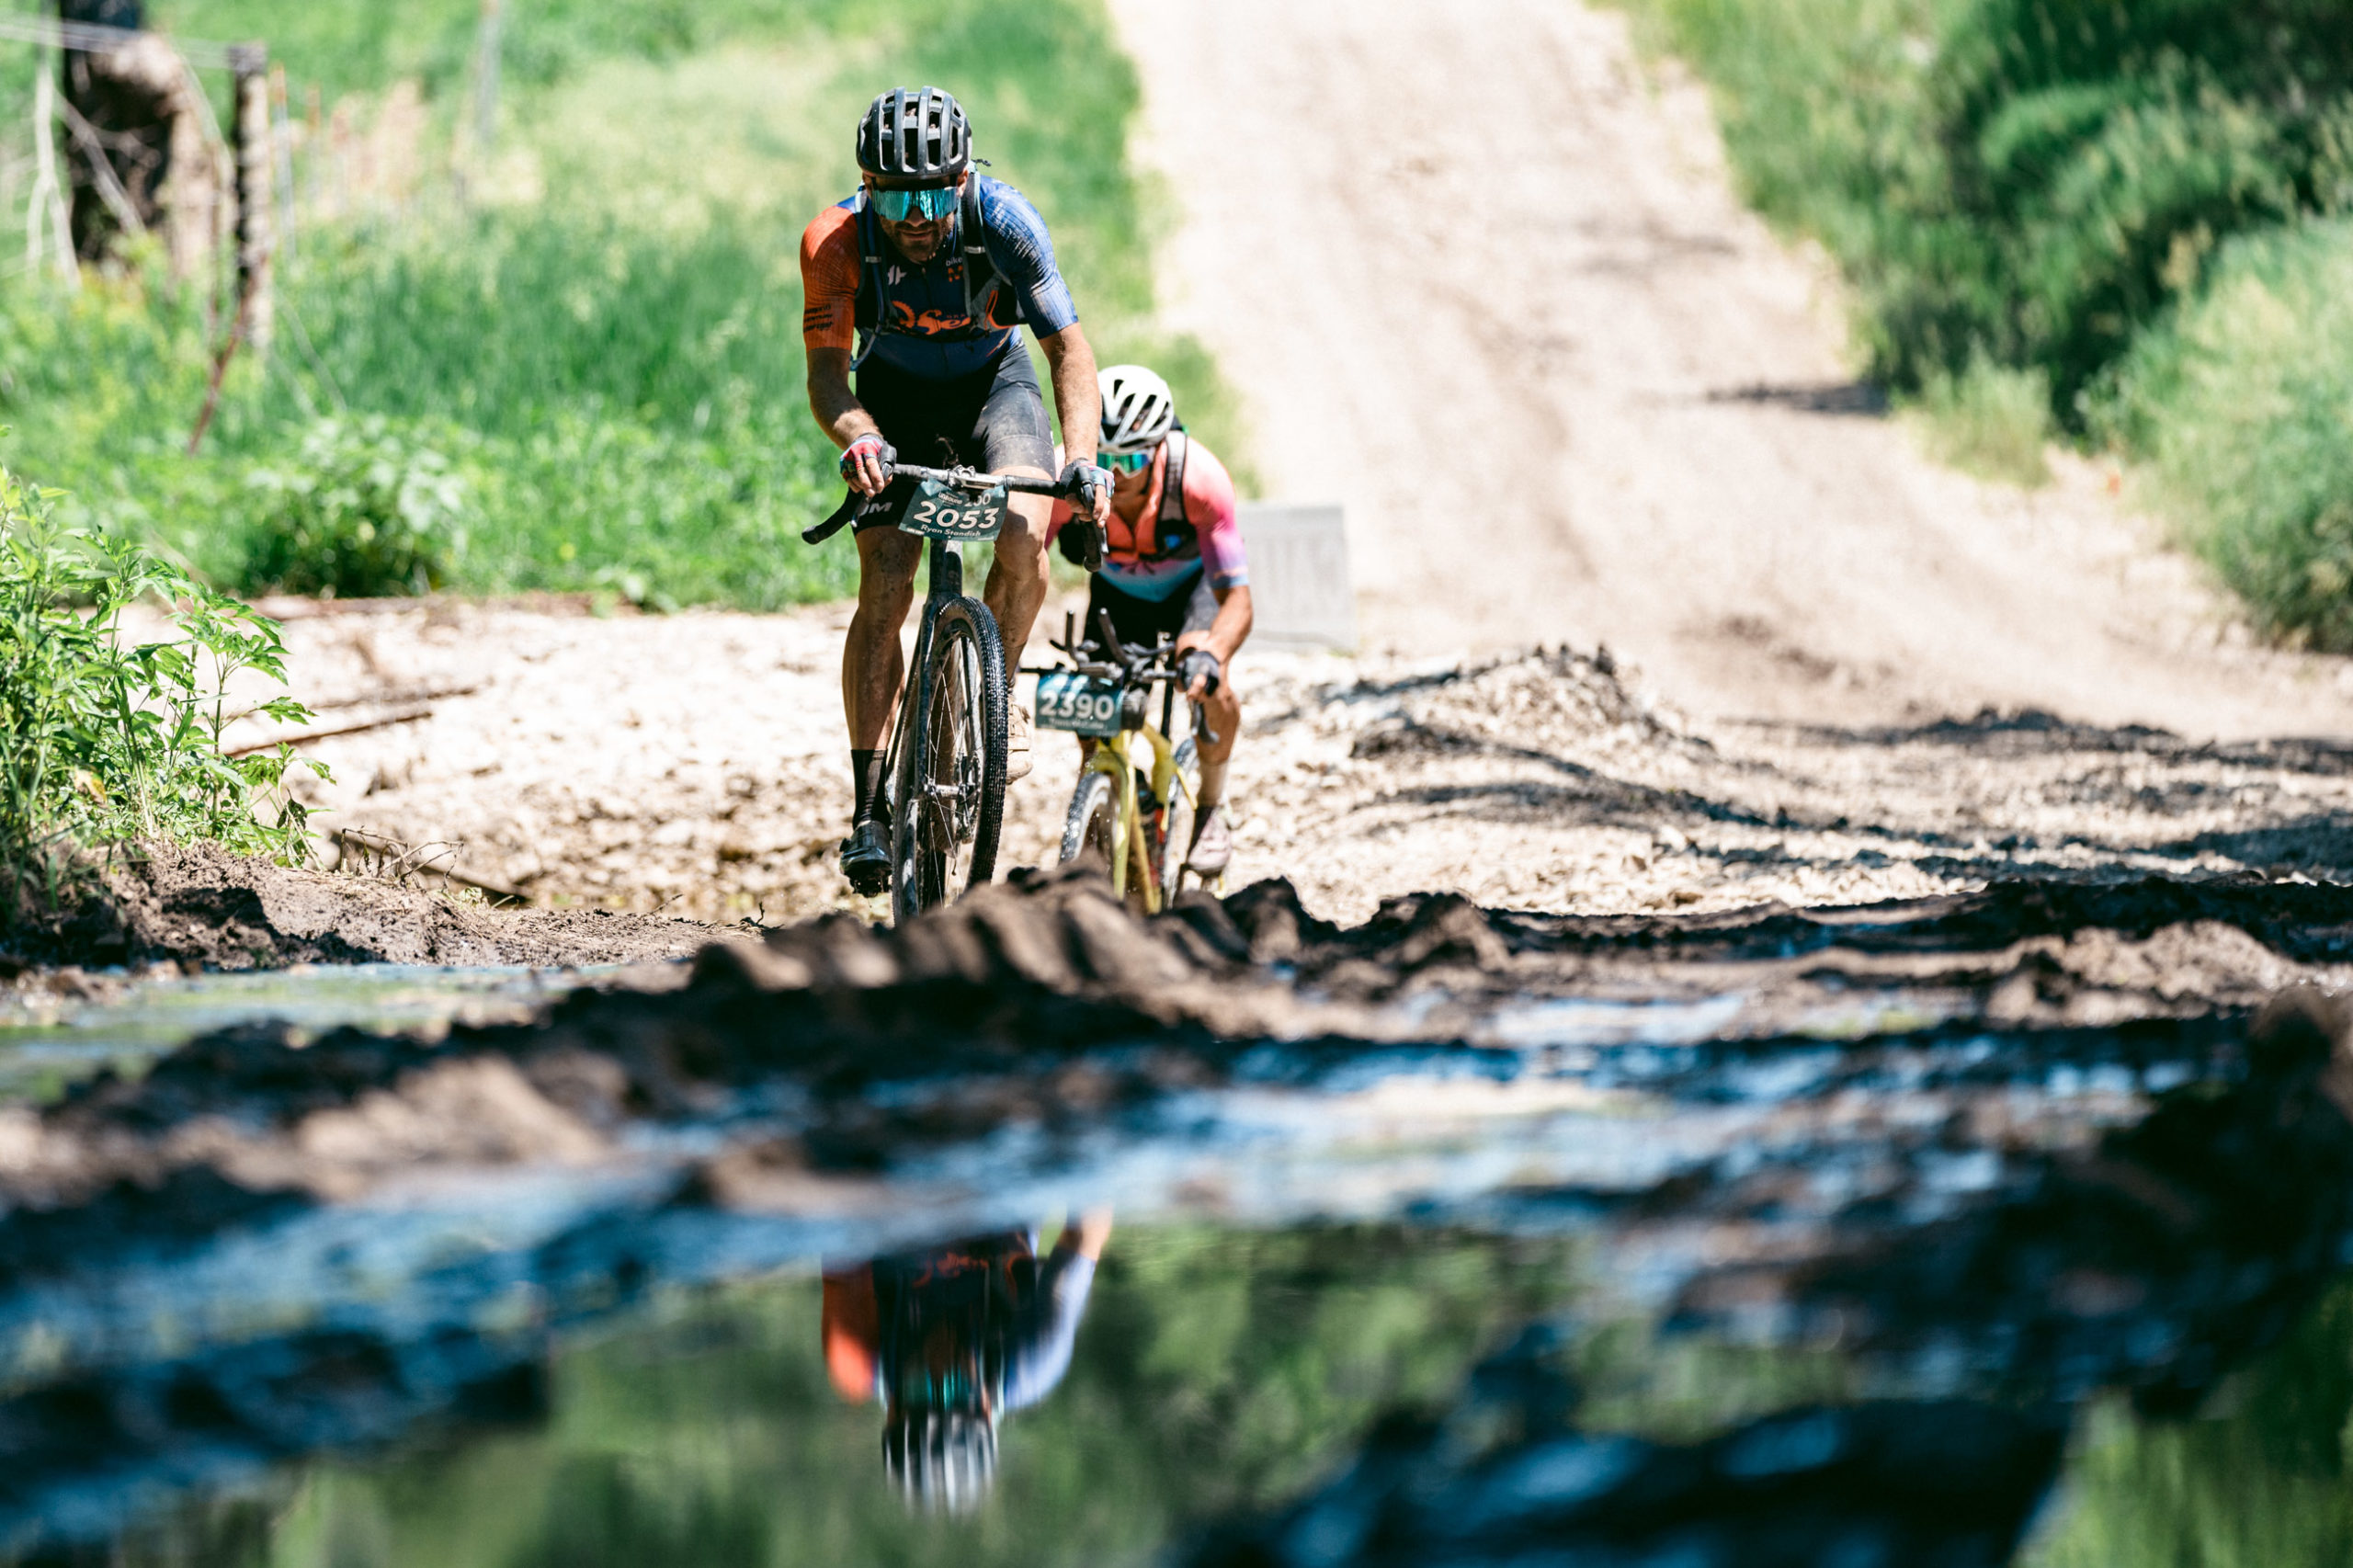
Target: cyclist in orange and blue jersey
[
  {"x": 937, "y": 268},
  {"x": 952, "y": 1339},
  {"x": 1172, "y": 562}
]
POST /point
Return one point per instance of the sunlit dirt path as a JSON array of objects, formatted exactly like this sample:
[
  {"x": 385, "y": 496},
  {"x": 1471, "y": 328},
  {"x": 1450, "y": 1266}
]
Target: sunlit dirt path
[{"x": 1483, "y": 278}]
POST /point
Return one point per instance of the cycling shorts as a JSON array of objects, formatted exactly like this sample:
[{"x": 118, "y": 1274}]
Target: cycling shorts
[
  {"x": 994, "y": 419},
  {"x": 1142, "y": 621}
]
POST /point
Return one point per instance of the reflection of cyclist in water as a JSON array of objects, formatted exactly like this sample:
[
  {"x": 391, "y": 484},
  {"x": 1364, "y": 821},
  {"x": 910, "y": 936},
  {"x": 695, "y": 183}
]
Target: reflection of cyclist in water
[{"x": 950, "y": 1340}]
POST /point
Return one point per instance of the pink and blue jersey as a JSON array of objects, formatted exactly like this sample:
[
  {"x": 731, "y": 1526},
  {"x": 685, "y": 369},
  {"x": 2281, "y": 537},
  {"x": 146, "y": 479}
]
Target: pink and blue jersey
[{"x": 1167, "y": 548}]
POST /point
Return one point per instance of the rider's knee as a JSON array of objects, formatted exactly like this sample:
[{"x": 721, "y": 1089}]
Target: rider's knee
[
  {"x": 1022, "y": 565},
  {"x": 1021, "y": 550},
  {"x": 882, "y": 582}
]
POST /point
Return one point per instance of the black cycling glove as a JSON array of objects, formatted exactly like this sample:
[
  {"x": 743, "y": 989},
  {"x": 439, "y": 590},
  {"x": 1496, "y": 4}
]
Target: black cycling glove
[
  {"x": 1083, "y": 481},
  {"x": 1200, "y": 665}
]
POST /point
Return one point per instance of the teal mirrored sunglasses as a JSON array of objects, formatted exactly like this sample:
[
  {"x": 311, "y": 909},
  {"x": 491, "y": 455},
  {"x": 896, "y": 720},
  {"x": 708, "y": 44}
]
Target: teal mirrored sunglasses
[
  {"x": 1128, "y": 462},
  {"x": 930, "y": 202}
]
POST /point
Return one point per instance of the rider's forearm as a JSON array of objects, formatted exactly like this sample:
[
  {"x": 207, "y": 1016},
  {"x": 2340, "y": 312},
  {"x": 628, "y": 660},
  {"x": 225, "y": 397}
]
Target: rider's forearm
[
  {"x": 1231, "y": 627},
  {"x": 1077, "y": 399},
  {"x": 839, "y": 413}
]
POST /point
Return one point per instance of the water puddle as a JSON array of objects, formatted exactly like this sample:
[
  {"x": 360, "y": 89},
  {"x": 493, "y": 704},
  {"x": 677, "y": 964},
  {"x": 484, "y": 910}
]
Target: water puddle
[
  {"x": 1006, "y": 1398},
  {"x": 48, "y": 1043},
  {"x": 1612, "y": 1282}
]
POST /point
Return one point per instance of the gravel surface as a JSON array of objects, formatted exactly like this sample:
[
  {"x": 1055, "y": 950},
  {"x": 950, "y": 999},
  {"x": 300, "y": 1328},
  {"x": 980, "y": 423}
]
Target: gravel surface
[{"x": 692, "y": 765}]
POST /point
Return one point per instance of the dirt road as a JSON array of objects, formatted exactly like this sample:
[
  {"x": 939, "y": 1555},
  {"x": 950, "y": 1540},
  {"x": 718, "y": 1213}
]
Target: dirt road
[
  {"x": 1609, "y": 410},
  {"x": 1482, "y": 278}
]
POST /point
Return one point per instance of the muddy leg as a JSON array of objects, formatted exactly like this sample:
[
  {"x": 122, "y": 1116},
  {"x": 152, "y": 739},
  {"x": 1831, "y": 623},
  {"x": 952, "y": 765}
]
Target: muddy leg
[
  {"x": 1017, "y": 586},
  {"x": 873, "y": 665}
]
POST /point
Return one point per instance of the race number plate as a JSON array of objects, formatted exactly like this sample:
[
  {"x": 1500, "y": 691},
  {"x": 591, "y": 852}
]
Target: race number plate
[
  {"x": 937, "y": 512},
  {"x": 1068, "y": 700}
]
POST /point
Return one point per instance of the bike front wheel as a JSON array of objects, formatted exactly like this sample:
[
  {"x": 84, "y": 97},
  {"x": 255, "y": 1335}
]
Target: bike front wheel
[
  {"x": 951, "y": 776},
  {"x": 1172, "y": 825},
  {"x": 1094, "y": 819},
  {"x": 1093, "y": 827}
]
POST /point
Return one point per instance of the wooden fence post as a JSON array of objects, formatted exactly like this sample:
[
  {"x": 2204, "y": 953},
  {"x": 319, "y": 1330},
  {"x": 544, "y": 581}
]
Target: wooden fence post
[{"x": 257, "y": 171}]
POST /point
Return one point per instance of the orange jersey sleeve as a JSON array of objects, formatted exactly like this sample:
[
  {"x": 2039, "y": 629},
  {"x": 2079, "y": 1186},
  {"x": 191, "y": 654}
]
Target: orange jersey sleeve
[
  {"x": 853, "y": 1331},
  {"x": 829, "y": 266}
]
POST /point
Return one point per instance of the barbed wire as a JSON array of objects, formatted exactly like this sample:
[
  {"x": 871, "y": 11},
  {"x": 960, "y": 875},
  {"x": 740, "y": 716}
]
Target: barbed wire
[{"x": 93, "y": 36}]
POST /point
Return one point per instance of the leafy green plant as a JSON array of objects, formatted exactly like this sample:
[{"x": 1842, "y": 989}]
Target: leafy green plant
[
  {"x": 2033, "y": 181},
  {"x": 365, "y": 508},
  {"x": 1990, "y": 421},
  {"x": 104, "y": 740},
  {"x": 2242, "y": 402}
]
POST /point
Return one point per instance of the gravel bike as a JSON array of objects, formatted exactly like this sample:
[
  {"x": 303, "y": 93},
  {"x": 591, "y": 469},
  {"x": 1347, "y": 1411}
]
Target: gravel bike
[
  {"x": 943, "y": 774},
  {"x": 1132, "y": 808}
]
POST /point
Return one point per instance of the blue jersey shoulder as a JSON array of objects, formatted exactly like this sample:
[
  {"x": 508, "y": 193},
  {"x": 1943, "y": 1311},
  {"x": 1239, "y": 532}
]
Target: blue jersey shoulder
[{"x": 1023, "y": 253}]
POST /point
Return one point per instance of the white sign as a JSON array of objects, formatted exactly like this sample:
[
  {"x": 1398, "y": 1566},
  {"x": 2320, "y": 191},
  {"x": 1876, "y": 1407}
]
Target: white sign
[{"x": 1300, "y": 592}]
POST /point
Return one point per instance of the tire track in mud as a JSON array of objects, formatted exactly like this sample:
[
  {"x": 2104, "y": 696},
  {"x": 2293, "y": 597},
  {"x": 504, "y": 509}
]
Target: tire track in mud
[{"x": 689, "y": 765}]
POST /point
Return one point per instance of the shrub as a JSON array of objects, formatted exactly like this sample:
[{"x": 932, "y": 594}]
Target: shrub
[
  {"x": 104, "y": 741},
  {"x": 1990, "y": 421},
  {"x": 365, "y": 508},
  {"x": 2243, "y": 403},
  {"x": 2029, "y": 180}
]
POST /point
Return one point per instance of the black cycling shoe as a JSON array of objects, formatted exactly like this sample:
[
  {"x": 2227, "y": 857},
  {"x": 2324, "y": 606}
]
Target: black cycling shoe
[{"x": 866, "y": 856}]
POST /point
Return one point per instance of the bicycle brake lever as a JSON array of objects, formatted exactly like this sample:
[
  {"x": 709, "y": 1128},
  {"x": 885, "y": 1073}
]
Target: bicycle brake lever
[
  {"x": 1202, "y": 725},
  {"x": 1111, "y": 641}
]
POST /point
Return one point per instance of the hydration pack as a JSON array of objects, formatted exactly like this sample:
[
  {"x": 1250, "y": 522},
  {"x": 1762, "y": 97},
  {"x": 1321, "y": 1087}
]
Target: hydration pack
[
  {"x": 1172, "y": 483},
  {"x": 1171, "y": 528},
  {"x": 983, "y": 285}
]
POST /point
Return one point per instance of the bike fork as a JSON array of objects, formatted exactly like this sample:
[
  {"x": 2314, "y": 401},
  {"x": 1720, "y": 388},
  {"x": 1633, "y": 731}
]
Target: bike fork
[
  {"x": 946, "y": 582},
  {"x": 1131, "y": 851}
]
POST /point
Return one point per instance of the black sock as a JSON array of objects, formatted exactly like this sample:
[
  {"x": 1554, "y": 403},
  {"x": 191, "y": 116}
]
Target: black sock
[{"x": 866, "y": 785}]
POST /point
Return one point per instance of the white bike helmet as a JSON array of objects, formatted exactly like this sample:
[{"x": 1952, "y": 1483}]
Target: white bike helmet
[{"x": 1138, "y": 410}]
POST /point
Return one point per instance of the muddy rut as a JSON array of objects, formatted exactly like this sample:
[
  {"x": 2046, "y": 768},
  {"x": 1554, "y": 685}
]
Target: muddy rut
[
  {"x": 688, "y": 767},
  {"x": 1977, "y": 1137}
]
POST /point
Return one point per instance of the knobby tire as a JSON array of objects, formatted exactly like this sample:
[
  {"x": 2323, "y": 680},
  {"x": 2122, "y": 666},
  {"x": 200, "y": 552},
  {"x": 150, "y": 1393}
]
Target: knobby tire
[
  {"x": 1094, "y": 814},
  {"x": 950, "y": 794},
  {"x": 1171, "y": 832}
]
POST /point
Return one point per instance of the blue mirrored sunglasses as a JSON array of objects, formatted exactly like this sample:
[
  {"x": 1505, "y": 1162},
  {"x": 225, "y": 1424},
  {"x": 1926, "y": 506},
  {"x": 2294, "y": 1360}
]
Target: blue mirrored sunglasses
[
  {"x": 1128, "y": 462},
  {"x": 931, "y": 202}
]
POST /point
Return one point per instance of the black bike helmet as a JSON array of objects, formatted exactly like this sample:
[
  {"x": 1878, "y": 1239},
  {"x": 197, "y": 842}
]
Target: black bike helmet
[{"x": 915, "y": 133}]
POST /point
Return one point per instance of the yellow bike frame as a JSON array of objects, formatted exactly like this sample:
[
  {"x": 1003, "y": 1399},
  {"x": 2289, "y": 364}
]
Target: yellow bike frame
[{"x": 1128, "y": 848}]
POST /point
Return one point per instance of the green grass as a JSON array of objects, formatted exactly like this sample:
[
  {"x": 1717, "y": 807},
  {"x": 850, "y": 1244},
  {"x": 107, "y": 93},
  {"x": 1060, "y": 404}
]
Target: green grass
[
  {"x": 2030, "y": 181},
  {"x": 2097, "y": 205},
  {"x": 1989, "y": 421},
  {"x": 603, "y": 358},
  {"x": 2243, "y": 404}
]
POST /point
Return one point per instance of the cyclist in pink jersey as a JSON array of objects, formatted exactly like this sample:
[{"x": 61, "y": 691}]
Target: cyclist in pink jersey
[{"x": 1171, "y": 561}]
